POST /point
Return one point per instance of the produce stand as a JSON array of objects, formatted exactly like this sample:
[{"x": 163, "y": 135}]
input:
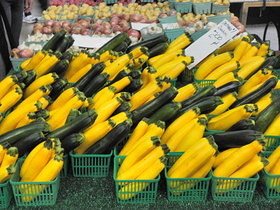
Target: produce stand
[{"x": 90, "y": 181}]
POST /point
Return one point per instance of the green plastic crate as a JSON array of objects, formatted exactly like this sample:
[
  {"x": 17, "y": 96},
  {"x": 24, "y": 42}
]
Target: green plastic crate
[
  {"x": 210, "y": 132},
  {"x": 172, "y": 34},
  {"x": 202, "y": 8},
  {"x": 183, "y": 7},
  {"x": 203, "y": 82},
  {"x": 196, "y": 35},
  {"x": 64, "y": 170},
  {"x": 110, "y": 1},
  {"x": 17, "y": 61},
  {"x": 272, "y": 142},
  {"x": 218, "y": 18},
  {"x": 135, "y": 191},
  {"x": 197, "y": 188},
  {"x": 234, "y": 189},
  {"x": 168, "y": 19},
  {"x": 90, "y": 165},
  {"x": 6, "y": 194},
  {"x": 271, "y": 185},
  {"x": 171, "y": 4},
  {"x": 218, "y": 8},
  {"x": 46, "y": 191}
]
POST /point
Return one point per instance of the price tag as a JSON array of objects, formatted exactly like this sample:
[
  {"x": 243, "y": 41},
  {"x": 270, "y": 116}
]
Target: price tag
[
  {"x": 211, "y": 41},
  {"x": 89, "y": 41},
  {"x": 139, "y": 26}
]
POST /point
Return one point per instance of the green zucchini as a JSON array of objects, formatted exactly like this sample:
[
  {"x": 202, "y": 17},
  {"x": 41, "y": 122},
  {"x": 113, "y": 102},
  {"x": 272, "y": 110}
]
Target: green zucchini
[
  {"x": 122, "y": 47},
  {"x": 133, "y": 86},
  {"x": 57, "y": 87},
  {"x": 229, "y": 87},
  {"x": 112, "y": 43},
  {"x": 135, "y": 74},
  {"x": 73, "y": 114},
  {"x": 71, "y": 41},
  {"x": 149, "y": 43},
  {"x": 232, "y": 139},
  {"x": 60, "y": 67},
  {"x": 72, "y": 141},
  {"x": 244, "y": 124},
  {"x": 158, "y": 49},
  {"x": 63, "y": 45},
  {"x": 150, "y": 107},
  {"x": 123, "y": 73},
  {"x": 200, "y": 93},
  {"x": 68, "y": 55},
  {"x": 82, "y": 122},
  {"x": 110, "y": 140},
  {"x": 255, "y": 95},
  {"x": 124, "y": 107},
  {"x": 95, "y": 84},
  {"x": 55, "y": 40},
  {"x": 18, "y": 133},
  {"x": 271, "y": 62},
  {"x": 265, "y": 117},
  {"x": 185, "y": 78},
  {"x": 166, "y": 112},
  {"x": 90, "y": 75},
  {"x": 31, "y": 76},
  {"x": 43, "y": 113},
  {"x": 20, "y": 76},
  {"x": 27, "y": 143}
]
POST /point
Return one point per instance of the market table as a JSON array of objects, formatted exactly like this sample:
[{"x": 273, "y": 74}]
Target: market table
[{"x": 99, "y": 193}]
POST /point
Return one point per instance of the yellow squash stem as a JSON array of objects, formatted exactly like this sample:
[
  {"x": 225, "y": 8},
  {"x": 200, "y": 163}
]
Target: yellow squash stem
[
  {"x": 6, "y": 173},
  {"x": 10, "y": 157}
]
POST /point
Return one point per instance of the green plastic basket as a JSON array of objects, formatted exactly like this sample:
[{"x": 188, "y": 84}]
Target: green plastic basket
[
  {"x": 171, "y": 4},
  {"x": 168, "y": 19},
  {"x": 172, "y": 34},
  {"x": 17, "y": 61},
  {"x": 210, "y": 132},
  {"x": 134, "y": 191},
  {"x": 64, "y": 170},
  {"x": 203, "y": 82},
  {"x": 190, "y": 189},
  {"x": 272, "y": 142},
  {"x": 110, "y": 1},
  {"x": 233, "y": 189},
  {"x": 90, "y": 165},
  {"x": 218, "y": 18},
  {"x": 38, "y": 193},
  {"x": 6, "y": 194},
  {"x": 271, "y": 185},
  {"x": 202, "y": 8},
  {"x": 196, "y": 35},
  {"x": 218, "y": 8},
  {"x": 183, "y": 7}
]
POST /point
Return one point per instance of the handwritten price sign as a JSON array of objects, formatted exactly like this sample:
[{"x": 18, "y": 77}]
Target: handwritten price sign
[{"x": 211, "y": 41}]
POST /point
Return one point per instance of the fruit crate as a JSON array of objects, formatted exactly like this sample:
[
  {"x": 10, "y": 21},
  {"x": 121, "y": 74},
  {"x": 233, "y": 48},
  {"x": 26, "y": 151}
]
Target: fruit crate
[
  {"x": 168, "y": 19},
  {"x": 218, "y": 8},
  {"x": 183, "y": 7},
  {"x": 202, "y": 8},
  {"x": 189, "y": 189},
  {"x": 17, "y": 61},
  {"x": 134, "y": 191},
  {"x": 6, "y": 194},
  {"x": 196, "y": 35},
  {"x": 90, "y": 165},
  {"x": 218, "y": 18},
  {"x": 233, "y": 189},
  {"x": 272, "y": 142},
  {"x": 173, "y": 33},
  {"x": 33, "y": 193},
  {"x": 271, "y": 185}
]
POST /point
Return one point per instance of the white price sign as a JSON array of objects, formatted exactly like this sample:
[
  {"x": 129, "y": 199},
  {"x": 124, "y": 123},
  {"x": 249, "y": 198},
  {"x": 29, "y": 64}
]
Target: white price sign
[
  {"x": 139, "y": 26},
  {"x": 211, "y": 41},
  {"x": 89, "y": 42}
]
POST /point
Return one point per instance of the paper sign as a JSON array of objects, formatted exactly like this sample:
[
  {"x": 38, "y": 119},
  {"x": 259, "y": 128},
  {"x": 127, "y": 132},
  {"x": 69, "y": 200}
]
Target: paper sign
[
  {"x": 139, "y": 26},
  {"x": 211, "y": 41},
  {"x": 89, "y": 41}
]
